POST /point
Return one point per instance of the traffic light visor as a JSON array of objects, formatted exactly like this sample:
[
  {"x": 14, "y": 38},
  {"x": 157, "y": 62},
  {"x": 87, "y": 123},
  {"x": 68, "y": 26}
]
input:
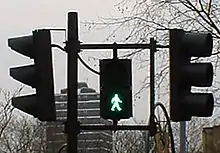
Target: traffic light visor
[
  {"x": 199, "y": 104},
  {"x": 197, "y": 44},
  {"x": 23, "y": 45},
  {"x": 25, "y": 74},
  {"x": 198, "y": 74}
]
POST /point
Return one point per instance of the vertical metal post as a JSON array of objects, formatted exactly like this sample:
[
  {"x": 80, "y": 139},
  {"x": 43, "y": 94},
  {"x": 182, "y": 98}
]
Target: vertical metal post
[
  {"x": 115, "y": 51},
  {"x": 182, "y": 137},
  {"x": 152, "y": 94},
  {"x": 145, "y": 135},
  {"x": 72, "y": 47},
  {"x": 115, "y": 56}
]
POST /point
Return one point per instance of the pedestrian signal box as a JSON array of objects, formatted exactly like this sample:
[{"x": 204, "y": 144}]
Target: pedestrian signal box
[{"x": 115, "y": 89}]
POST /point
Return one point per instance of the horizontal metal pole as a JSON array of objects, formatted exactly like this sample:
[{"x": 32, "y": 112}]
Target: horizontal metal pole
[
  {"x": 162, "y": 46},
  {"x": 114, "y": 127},
  {"x": 119, "y": 46}
]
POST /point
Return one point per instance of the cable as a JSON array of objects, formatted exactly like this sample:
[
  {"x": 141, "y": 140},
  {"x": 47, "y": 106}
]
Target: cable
[
  {"x": 87, "y": 66},
  {"x": 81, "y": 60},
  {"x": 62, "y": 147},
  {"x": 169, "y": 124},
  {"x": 57, "y": 46}
]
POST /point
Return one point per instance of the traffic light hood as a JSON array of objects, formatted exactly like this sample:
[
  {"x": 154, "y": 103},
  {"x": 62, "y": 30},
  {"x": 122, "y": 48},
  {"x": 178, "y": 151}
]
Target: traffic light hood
[
  {"x": 23, "y": 45},
  {"x": 197, "y": 44}
]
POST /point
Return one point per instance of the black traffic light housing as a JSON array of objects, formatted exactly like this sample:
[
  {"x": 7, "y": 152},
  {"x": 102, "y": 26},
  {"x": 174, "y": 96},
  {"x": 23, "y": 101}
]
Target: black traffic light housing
[
  {"x": 183, "y": 75},
  {"x": 115, "y": 83},
  {"x": 38, "y": 75}
]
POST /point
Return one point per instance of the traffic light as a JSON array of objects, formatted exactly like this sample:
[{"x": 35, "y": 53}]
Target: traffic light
[
  {"x": 184, "y": 74},
  {"x": 115, "y": 89},
  {"x": 38, "y": 75}
]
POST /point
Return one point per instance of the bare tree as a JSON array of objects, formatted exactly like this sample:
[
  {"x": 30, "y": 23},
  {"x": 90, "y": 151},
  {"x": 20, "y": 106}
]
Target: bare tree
[
  {"x": 19, "y": 132},
  {"x": 128, "y": 142},
  {"x": 142, "y": 19}
]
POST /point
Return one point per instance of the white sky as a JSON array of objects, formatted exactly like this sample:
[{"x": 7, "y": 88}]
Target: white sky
[{"x": 23, "y": 16}]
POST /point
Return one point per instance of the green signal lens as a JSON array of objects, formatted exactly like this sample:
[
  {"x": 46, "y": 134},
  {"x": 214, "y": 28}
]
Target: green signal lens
[{"x": 115, "y": 103}]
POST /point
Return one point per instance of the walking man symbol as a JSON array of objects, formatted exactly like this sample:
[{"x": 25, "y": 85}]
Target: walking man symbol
[{"x": 115, "y": 103}]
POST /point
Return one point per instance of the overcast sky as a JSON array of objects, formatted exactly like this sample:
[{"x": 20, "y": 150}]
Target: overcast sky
[{"x": 23, "y": 16}]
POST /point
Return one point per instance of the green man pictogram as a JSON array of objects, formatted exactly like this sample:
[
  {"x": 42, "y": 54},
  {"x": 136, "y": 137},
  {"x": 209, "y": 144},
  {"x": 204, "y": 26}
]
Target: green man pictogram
[{"x": 115, "y": 103}]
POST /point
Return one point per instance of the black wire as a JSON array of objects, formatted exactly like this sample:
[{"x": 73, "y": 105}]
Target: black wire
[
  {"x": 61, "y": 48},
  {"x": 169, "y": 125},
  {"x": 87, "y": 66},
  {"x": 62, "y": 147},
  {"x": 81, "y": 60}
]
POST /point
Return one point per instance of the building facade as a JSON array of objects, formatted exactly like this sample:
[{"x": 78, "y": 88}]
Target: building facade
[{"x": 88, "y": 113}]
